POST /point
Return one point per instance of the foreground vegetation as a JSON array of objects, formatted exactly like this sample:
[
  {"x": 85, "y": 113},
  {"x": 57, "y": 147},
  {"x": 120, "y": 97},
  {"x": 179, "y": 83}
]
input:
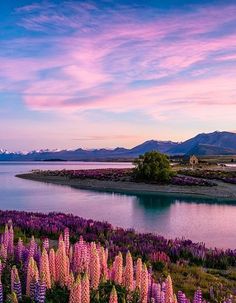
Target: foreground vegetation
[{"x": 108, "y": 260}]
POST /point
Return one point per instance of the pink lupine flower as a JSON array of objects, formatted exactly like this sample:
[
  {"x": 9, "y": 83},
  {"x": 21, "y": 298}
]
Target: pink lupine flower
[
  {"x": 103, "y": 264},
  {"x": 129, "y": 272},
  {"x": 81, "y": 257},
  {"x": 169, "y": 295},
  {"x": 52, "y": 265},
  {"x": 106, "y": 254},
  {"x": 71, "y": 254},
  {"x": 95, "y": 270},
  {"x": 175, "y": 299},
  {"x": 3, "y": 251},
  {"x": 75, "y": 294},
  {"x": 144, "y": 284},
  {"x": 138, "y": 271},
  {"x": 57, "y": 266},
  {"x": 85, "y": 292},
  {"x": 76, "y": 257},
  {"x": 44, "y": 268},
  {"x": 67, "y": 240},
  {"x": 67, "y": 269},
  {"x": 62, "y": 264},
  {"x": 70, "y": 281},
  {"x": 113, "y": 296},
  {"x": 118, "y": 269}
]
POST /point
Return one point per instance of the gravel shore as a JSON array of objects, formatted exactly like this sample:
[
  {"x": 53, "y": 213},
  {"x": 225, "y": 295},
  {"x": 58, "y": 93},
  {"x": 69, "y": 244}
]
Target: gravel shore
[{"x": 222, "y": 191}]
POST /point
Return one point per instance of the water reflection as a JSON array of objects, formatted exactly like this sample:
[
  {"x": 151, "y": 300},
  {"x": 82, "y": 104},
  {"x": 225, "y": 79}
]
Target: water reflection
[
  {"x": 209, "y": 220},
  {"x": 154, "y": 203}
]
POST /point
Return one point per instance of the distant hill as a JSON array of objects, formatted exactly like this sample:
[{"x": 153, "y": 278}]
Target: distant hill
[
  {"x": 161, "y": 146},
  {"x": 206, "y": 150},
  {"x": 216, "y": 143}
]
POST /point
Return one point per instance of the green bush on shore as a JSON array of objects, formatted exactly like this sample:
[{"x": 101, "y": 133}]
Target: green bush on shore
[{"x": 153, "y": 167}]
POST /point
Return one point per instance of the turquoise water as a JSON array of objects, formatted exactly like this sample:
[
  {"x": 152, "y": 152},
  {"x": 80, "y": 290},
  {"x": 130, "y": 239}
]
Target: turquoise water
[{"x": 210, "y": 221}]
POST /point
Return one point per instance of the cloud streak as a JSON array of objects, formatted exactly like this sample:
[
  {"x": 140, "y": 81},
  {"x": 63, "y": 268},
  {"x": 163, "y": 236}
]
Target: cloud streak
[{"x": 118, "y": 59}]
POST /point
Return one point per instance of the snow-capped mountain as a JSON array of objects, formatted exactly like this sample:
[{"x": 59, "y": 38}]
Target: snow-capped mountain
[{"x": 216, "y": 143}]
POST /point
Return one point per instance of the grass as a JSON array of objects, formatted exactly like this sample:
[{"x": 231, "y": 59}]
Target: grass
[{"x": 188, "y": 278}]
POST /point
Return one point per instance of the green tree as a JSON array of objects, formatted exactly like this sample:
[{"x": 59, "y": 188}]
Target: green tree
[{"x": 153, "y": 167}]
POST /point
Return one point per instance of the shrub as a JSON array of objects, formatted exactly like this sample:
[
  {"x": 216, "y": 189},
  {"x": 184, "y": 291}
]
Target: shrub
[{"x": 153, "y": 167}]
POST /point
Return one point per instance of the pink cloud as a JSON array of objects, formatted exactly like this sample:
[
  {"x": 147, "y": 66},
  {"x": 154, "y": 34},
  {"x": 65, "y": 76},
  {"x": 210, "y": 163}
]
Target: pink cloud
[
  {"x": 184, "y": 98},
  {"x": 95, "y": 66},
  {"x": 228, "y": 57}
]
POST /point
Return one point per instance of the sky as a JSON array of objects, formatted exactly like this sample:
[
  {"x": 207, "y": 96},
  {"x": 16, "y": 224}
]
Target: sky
[{"x": 110, "y": 73}]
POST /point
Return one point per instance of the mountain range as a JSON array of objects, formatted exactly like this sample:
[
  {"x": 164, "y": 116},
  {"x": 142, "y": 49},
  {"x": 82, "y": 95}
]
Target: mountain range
[{"x": 216, "y": 143}]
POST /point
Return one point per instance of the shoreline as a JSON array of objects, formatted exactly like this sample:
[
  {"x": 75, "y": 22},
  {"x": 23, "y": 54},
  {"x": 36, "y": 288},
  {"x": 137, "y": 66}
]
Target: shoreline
[{"x": 221, "y": 191}]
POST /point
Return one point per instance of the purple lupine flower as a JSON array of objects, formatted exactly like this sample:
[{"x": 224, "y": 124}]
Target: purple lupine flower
[
  {"x": 181, "y": 297},
  {"x": 32, "y": 248},
  {"x": 41, "y": 292},
  {"x": 6, "y": 237},
  {"x": 33, "y": 289},
  {"x": 46, "y": 244},
  {"x": 10, "y": 239},
  {"x": 17, "y": 288},
  {"x": 118, "y": 239},
  {"x": 1, "y": 268},
  {"x": 156, "y": 292},
  {"x": 1, "y": 291},
  {"x": 197, "y": 296},
  {"x": 19, "y": 249}
]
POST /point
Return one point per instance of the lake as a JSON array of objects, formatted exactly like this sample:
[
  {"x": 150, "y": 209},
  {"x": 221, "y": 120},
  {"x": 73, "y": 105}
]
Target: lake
[{"x": 210, "y": 221}]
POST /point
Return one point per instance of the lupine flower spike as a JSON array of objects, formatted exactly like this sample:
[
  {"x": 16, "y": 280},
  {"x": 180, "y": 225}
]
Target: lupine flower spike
[
  {"x": 94, "y": 267},
  {"x": 87, "y": 261},
  {"x": 129, "y": 272},
  {"x": 113, "y": 296},
  {"x": 144, "y": 284},
  {"x": 44, "y": 268},
  {"x": 1, "y": 291},
  {"x": 85, "y": 293}
]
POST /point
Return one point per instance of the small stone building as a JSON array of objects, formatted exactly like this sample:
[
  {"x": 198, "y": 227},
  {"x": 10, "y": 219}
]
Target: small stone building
[{"x": 193, "y": 161}]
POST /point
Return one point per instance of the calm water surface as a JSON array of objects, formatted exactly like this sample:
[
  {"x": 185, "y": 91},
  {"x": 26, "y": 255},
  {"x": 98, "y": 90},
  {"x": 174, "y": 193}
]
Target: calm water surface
[{"x": 211, "y": 221}]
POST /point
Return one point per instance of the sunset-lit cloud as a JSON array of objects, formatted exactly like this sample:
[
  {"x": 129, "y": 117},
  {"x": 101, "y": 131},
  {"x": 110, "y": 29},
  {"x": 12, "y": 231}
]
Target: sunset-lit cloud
[{"x": 122, "y": 58}]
